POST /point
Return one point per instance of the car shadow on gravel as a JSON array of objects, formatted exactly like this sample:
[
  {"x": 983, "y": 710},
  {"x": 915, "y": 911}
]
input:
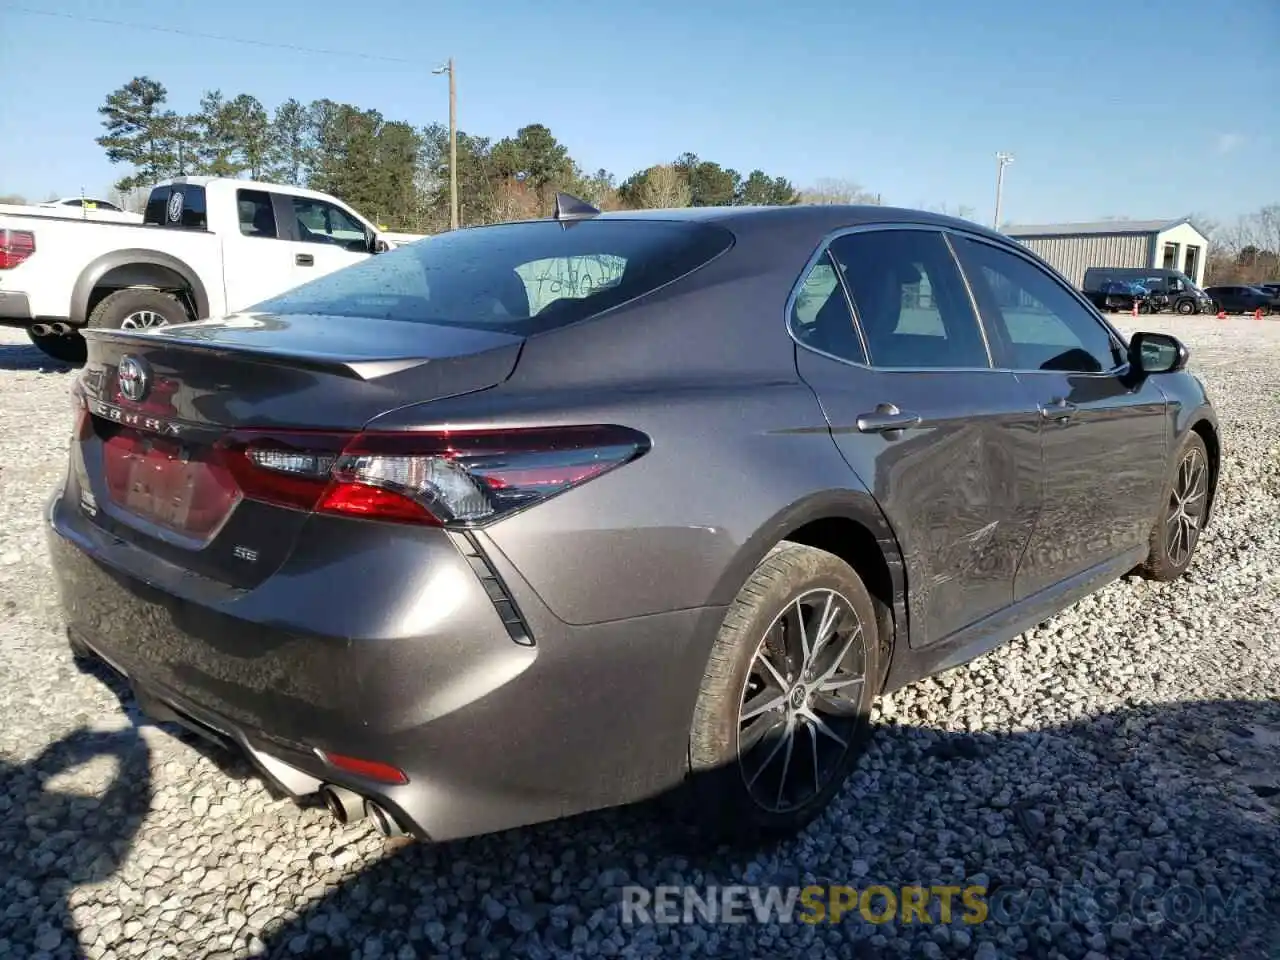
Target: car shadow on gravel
[
  {"x": 54, "y": 839},
  {"x": 25, "y": 356},
  {"x": 1149, "y": 832}
]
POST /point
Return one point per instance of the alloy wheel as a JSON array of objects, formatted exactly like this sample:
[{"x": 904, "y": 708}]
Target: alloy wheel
[
  {"x": 142, "y": 319},
  {"x": 1187, "y": 503},
  {"x": 801, "y": 704}
]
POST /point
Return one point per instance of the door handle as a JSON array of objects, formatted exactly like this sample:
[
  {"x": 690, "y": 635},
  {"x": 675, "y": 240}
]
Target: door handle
[
  {"x": 1059, "y": 409},
  {"x": 887, "y": 418},
  {"x": 304, "y": 260}
]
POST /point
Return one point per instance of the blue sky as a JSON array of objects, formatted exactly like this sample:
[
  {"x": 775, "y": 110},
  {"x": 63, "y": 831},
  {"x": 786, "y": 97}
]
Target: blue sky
[{"x": 1111, "y": 107}]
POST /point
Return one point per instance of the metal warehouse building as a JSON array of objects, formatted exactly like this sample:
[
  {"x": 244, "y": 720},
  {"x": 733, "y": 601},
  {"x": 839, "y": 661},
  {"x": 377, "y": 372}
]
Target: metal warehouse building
[{"x": 1072, "y": 248}]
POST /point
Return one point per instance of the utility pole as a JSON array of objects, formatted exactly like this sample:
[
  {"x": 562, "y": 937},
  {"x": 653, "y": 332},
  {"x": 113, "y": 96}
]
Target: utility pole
[
  {"x": 453, "y": 141},
  {"x": 1002, "y": 161}
]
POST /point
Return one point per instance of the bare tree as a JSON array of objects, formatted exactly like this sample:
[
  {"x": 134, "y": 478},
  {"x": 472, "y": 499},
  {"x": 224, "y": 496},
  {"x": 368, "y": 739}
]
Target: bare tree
[
  {"x": 832, "y": 190},
  {"x": 961, "y": 211},
  {"x": 664, "y": 186},
  {"x": 515, "y": 200},
  {"x": 1248, "y": 250},
  {"x": 134, "y": 200}
]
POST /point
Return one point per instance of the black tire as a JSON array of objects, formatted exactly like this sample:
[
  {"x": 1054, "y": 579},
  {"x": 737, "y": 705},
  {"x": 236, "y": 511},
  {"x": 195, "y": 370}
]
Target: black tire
[
  {"x": 65, "y": 348},
  {"x": 1186, "y": 307},
  {"x": 791, "y": 576},
  {"x": 122, "y": 308},
  {"x": 1166, "y": 559}
]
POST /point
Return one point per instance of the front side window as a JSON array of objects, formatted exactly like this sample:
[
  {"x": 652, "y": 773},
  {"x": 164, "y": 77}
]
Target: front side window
[
  {"x": 321, "y": 222},
  {"x": 1041, "y": 325},
  {"x": 909, "y": 299},
  {"x": 520, "y": 278}
]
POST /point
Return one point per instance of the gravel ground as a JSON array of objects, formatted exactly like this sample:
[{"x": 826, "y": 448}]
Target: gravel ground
[{"x": 1131, "y": 740}]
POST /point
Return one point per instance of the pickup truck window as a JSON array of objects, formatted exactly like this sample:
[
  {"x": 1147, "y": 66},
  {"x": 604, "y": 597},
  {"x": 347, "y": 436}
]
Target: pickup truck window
[
  {"x": 320, "y": 222},
  {"x": 257, "y": 218},
  {"x": 179, "y": 205}
]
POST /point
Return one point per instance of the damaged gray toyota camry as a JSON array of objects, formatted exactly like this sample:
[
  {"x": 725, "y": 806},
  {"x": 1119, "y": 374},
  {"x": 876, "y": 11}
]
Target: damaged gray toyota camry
[{"x": 537, "y": 518}]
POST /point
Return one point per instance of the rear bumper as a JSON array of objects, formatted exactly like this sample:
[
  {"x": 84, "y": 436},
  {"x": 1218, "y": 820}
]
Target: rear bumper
[
  {"x": 398, "y": 655},
  {"x": 15, "y": 309}
]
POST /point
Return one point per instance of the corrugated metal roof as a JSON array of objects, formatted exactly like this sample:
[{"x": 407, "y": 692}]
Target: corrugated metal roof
[{"x": 1100, "y": 227}]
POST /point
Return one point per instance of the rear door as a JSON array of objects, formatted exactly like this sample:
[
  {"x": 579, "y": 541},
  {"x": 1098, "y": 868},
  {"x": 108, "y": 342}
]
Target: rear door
[
  {"x": 1104, "y": 448},
  {"x": 257, "y": 260},
  {"x": 948, "y": 444}
]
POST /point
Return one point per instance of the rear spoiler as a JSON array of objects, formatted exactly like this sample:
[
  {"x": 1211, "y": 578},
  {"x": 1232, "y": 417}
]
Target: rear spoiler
[{"x": 365, "y": 369}]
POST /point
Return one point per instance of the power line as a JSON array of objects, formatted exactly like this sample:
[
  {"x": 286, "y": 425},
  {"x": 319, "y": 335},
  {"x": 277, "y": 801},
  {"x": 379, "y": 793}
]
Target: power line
[{"x": 204, "y": 36}]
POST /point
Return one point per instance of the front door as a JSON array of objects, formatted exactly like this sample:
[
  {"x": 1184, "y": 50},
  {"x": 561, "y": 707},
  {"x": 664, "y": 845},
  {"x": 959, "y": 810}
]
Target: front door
[
  {"x": 1104, "y": 447},
  {"x": 948, "y": 445},
  {"x": 326, "y": 238}
]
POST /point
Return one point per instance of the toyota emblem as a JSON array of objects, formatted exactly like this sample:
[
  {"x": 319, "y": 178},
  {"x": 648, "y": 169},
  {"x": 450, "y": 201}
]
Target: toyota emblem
[{"x": 134, "y": 378}]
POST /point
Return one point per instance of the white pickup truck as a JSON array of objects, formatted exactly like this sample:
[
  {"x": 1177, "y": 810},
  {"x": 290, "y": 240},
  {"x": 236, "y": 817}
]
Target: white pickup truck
[{"x": 207, "y": 246}]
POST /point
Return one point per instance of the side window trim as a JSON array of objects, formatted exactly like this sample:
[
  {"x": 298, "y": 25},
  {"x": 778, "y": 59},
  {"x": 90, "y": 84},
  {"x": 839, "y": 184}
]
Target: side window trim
[
  {"x": 1084, "y": 303},
  {"x": 823, "y": 251},
  {"x": 848, "y": 302}
]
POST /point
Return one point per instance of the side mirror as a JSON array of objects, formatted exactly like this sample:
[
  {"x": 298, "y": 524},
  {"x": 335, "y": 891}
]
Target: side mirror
[{"x": 1157, "y": 353}]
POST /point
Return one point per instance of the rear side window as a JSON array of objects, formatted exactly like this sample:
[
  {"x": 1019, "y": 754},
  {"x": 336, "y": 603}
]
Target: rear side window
[
  {"x": 521, "y": 278},
  {"x": 257, "y": 217},
  {"x": 910, "y": 300},
  {"x": 179, "y": 205},
  {"x": 820, "y": 315}
]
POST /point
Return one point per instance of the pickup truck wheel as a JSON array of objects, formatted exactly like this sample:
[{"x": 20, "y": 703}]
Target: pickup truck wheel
[
  {"x": 138, "y": 309},
  {"x": 66, "y": 348}
]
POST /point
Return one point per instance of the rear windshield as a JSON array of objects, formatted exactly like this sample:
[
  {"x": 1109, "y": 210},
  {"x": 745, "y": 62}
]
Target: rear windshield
[
  {"x": 177, "y": 205},
  {"x": 520, "y": 278}
]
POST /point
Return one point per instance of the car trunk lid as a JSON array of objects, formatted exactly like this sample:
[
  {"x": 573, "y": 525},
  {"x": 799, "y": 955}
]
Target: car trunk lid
[{"x": 158, "y": 410}]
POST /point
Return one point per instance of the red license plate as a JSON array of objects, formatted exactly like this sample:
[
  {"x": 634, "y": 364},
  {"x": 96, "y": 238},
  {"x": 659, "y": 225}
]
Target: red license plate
[{"x": 166, "y": 483}]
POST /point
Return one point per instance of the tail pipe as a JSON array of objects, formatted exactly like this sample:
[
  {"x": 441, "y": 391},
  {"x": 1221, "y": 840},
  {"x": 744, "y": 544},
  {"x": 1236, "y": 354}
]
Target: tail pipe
[
  {"x": 346, "y": 807},
  {"x": 41, "y": 329},
  {"x": 384, "y": 821},
  {"x": 60, "y": 328}
]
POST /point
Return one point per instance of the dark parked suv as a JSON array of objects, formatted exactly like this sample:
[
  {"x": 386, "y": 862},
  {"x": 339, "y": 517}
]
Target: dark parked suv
[
  {"x": 530, "y": 519},
  {"x": 1241, "y": 298}
]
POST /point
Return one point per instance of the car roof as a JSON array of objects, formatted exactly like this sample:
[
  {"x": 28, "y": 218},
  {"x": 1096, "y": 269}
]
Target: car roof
[{"x": 822, "y": 218}]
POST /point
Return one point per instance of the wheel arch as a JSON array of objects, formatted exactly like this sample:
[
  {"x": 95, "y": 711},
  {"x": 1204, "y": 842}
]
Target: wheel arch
[
  {"x": 850, "y": 525},
  {"x": 121, "y": 269},
  {"x": 1208, "y": 432}
]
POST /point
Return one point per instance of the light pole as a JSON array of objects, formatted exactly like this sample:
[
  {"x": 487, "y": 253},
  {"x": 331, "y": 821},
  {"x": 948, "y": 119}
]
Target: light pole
[
  {"x": 1002, "y": 161},
  {"x": 453, "y": 141}
]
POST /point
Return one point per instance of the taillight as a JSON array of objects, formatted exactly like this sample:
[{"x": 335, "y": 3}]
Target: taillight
[
  {"x": 431, "y": 477},
  {"x": 15, "y": 247}
]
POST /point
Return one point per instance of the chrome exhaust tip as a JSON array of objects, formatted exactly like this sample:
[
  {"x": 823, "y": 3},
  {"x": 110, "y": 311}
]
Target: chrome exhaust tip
[
  {"x": 60, "y": 328},
  {"x": 345, "y": 806},
  {"x": 41, "y": 329},
  {"x": 385, "y": 822}
]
